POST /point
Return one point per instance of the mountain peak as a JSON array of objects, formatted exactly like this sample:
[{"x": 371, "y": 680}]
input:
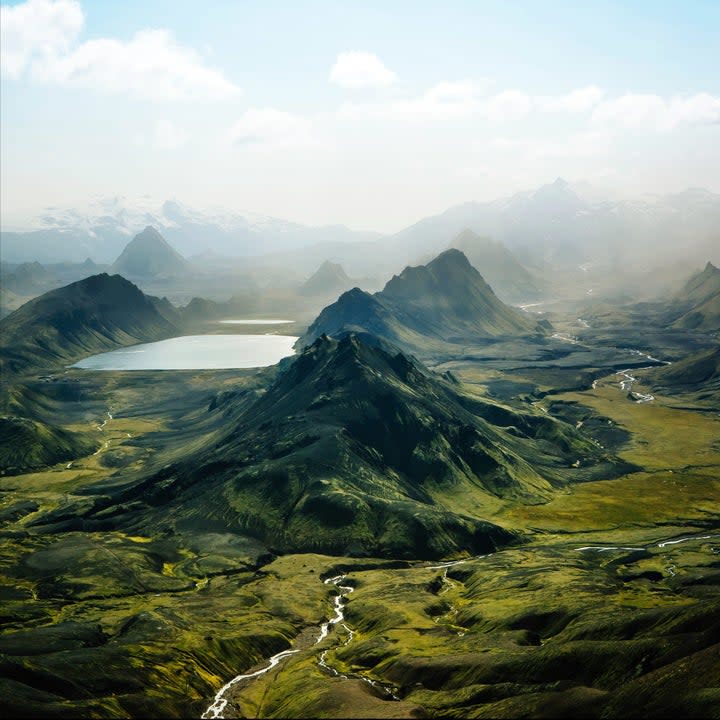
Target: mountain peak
[
  {"x": 329, "y": 278},
  {"x": 149, "y": 254},
  {"x": 451, "y": 258}
]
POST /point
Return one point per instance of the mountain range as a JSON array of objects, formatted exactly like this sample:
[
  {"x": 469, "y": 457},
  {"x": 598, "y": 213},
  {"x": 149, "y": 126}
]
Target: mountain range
[
  {"x": 426, "y": 307},
  {"x": 555, "y": 225}
]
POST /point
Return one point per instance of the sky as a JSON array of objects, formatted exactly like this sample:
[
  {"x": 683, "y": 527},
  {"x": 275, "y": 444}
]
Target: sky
[{"x": 367, "y": 114}]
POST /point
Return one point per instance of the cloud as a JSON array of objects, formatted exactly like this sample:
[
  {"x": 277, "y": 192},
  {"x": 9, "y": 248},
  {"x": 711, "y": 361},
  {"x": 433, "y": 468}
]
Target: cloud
[
  {"x": 271, "y": 129},
  {"x": 168, "y": 136},
  {"x": 583, "y": 144},
  {"x": 42, "y": 35},
  {"x": 652, "y": 112},
  {"x": 37, "y": 28},
  {"x": 505, "y": 106},
  {"x": 577, "y": 101},
  {"x": 360, "y": 70},
  {"x": 446, "y": 99}
]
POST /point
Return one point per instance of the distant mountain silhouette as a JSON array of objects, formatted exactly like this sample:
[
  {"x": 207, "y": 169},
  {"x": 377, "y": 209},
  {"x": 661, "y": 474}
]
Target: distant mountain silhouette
[
  {"x": 98, "y": 313},
  {"x": 498, "y": 266},
  {"x": 446, "y": 300},
  {"x": 149, "y": 255},
  {"x": 328, "y": 279}
]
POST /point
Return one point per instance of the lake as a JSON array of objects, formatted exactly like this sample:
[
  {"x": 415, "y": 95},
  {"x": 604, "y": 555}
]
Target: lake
[
  {"x": 196, "y": 352},
  {"x": 255, "y": 322}
]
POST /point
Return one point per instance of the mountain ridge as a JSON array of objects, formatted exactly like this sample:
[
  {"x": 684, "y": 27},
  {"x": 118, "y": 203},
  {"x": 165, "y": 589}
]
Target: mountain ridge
[
  {"x": 445, "y": 301},
  {"x": 98, "y": 313}
]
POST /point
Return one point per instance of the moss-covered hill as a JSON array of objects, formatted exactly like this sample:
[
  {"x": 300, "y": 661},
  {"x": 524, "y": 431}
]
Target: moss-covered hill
[
  {"x": 30, "y": 444},
  {"x": 698, "y": 302},
  {"x": 98, "y": 313},
  {"x": 358, "y": 450}
]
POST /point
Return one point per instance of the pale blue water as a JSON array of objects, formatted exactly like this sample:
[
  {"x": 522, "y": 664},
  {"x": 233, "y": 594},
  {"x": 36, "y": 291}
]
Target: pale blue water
[{"x": 196, "y": 352}]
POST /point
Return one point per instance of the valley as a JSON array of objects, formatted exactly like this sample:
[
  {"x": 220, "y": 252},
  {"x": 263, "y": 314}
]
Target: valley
[{"x": 137, "y": 583}]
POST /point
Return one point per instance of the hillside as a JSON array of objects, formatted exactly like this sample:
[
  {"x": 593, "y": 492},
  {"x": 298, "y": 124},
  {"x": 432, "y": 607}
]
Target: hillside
[
  {"x": 149, "y": 255},
  {"x": 445, "y": 301},
  {"x": 700, "y": 301},
  {"x": 328, "y": 279},
  {"x": 27, "y": 445},
  {"x": 702, "y": 368},
  {"x": 358, "y": 450},
  {"x": 99, "y": 313},
  {"x": 498, "y": 266}
]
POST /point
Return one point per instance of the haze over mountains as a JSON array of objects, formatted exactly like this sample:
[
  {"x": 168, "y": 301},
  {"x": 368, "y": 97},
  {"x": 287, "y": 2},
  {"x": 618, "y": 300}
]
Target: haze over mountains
[
  {"x": 553, "y": 226},
  {"x": 148, "y": 254}
]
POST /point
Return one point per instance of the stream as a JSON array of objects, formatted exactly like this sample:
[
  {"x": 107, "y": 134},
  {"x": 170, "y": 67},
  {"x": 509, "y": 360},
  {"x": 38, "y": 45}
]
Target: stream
[
  {"x": 220, "y": 702},
  {"x": 216, "y": 709}
]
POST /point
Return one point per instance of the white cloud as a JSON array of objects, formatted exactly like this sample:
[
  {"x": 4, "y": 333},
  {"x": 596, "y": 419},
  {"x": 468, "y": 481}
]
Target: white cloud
[
  {"x": 446, "y": 99},
  {"x": 583, "y": 144},
  {"x": 42, "y": 35},
  {"x": 37, "y": 28},
  {"x": 506, "y": 106},
  {"x": 652, "y": 112},
  {"x": 359, "y": 70},
  {"x": 271, "y": 129},
  {"x": 577, "y": 101},
  {"x": 168, "y": 136}
]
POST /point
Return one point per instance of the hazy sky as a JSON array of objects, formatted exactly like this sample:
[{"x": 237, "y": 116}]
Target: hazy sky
[{"x": 370, "y": 114}]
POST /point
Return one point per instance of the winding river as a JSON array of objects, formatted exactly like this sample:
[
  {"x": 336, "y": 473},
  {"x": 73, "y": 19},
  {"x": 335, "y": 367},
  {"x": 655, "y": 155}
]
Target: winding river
[{"x": 220, "y": 702}]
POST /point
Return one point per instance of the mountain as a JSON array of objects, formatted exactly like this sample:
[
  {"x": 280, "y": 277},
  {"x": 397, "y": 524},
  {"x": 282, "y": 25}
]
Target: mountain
[
  {"x": 697, "y": 369},
  {"x": 445, "y": 301},
  {"x": 27, "y": 445},
  {"x": 700, "y": 301},
  {"x": 102, "y": 229},
  {"x": 99, "y": 313},
  {"x": 498, "y": 266},
  {"x": 328, "y": 279},
  {"x": 149, "y": 255},
  {"x": 357, "y": 450},
  {"x": 554, "y": 226}
]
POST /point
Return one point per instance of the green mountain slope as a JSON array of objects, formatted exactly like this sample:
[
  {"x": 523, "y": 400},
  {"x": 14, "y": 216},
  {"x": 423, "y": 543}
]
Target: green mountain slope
[
  {"x": 507, "y": 277},
  {"x": 357, "y": 450},
  {"x": 27, "y": 445},
  {"x": 149, "y": 255},
  {"x": 98, "y": 313},
  {"x": 699, "y": 368},
  {"x": 445, "y": 301},
  {"x": 700, "y": 301}
]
